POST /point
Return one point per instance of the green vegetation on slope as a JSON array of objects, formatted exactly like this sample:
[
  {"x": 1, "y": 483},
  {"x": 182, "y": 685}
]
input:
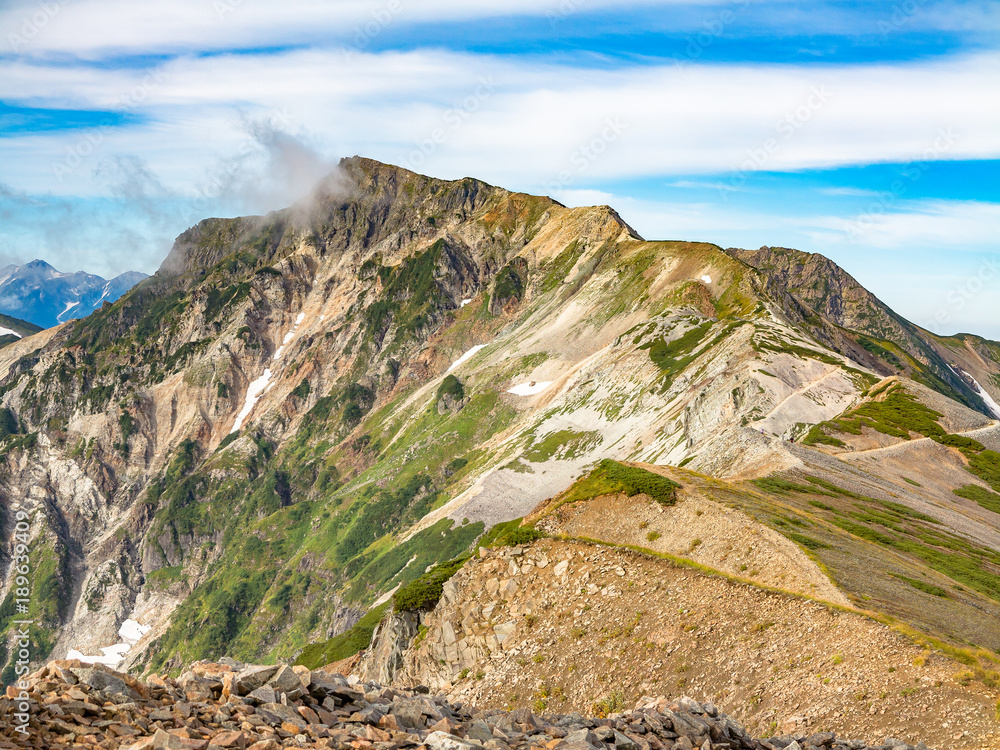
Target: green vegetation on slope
[
  {"x": 562, "y": 445},
  {"x": 451, "y": 386},
  {"x": 898, "y": 415},
  {"x": 509, "y": 285},
  {"x": 23, "y": 327},
  {"x": 510, "y": 534},
  {"x": 673, "y": 356},
  {"x": 425, "y": 592},
  {"x": 985, "y": 498},
  {"x": 899, "y": 528},
  {"x": 48, "y": 601},
  {"x": 411, "y": 297},
  {"x": 346, "y": 644},
  {"x": 611, "y": 477}
]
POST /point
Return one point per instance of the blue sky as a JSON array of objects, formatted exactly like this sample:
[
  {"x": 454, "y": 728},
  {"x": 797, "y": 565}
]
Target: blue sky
[{"x": 866, "y": 131}]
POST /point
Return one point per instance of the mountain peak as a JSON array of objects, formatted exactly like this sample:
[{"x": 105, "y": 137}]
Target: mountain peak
[{"x": 39, "y": 293}]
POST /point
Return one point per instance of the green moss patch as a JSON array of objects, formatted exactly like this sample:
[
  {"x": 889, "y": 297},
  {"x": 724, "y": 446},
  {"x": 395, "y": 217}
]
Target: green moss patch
[
  {"x": 611, "y": 477},
  {"x": 425, "y": 592},
  {"x": 346, "y": 644},
  {"x": 927, "y": 588},
  {"x": 510, "y": 534},
  {"x": 674, "y": 356},
  {"x": 562, "y": 445},
  {"x": 898, "y": 415},
  {"x": 451, "y": 386},
  {"x": 980, "y": 495}
]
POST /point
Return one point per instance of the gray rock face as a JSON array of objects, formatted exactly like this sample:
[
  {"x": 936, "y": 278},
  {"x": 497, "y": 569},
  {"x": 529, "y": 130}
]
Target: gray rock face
[
  {"x": 286, "y": 681},
  {"x": 582, "y": 735},
  {"x": 479, "y": 730},
  {"x": 408, "y": 713},
  {"x": 623, "y": 742},
  {"x": 254, "y": 677},
  {"x": 263, "y": 694},
  {"x": 108, "y": 684},
  {"x": 390, "y": 641},
  {"x": 442, "y": 741}
]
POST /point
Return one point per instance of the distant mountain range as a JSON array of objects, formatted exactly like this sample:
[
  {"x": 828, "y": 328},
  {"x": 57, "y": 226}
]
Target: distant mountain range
[{"x": 39, "y": 294}]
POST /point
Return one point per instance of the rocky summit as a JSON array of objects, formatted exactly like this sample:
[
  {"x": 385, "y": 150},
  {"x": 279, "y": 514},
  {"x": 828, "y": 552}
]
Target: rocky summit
[{"x": 216, "y": 706}]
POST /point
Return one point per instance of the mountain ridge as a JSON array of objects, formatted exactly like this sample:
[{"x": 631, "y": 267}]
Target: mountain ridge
[
  {"x": 38, "y": 293},
  {"x": 367, "y": 452}
]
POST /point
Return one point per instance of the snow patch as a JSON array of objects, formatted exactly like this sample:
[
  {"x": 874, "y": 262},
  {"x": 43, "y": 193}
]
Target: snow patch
[
  {"x": 289, "y": 336},
  {"x": 254, "y": 390},
  {"x": 993, "y": 405},
  {"x": 465, "y": 302},
  {"x": 8, "y": 332},
  {"x": 707, "y": 279},
  {"x": 69, "y": 306},
  {"x": 131, "y": 632},
  {"x": 467, "y": 356},
  {"x": 529, "y": 389}
]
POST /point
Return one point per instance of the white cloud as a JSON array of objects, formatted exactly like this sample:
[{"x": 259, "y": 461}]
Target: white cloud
[
  {"x": 536, "y": 126},
  {"x": 527, "y": 124},
  {"x": 576, "y": 198},
  {"x": 700, "y": 185},
  {"x": 850, "y": 192},
  {"x": 960, "y": 226},
  {"x": 98, "y": 28}
]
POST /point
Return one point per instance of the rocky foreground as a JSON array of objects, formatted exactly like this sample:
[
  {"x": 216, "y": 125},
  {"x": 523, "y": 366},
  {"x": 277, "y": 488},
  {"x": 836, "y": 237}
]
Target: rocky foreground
[{"x": 232, "y": 705}]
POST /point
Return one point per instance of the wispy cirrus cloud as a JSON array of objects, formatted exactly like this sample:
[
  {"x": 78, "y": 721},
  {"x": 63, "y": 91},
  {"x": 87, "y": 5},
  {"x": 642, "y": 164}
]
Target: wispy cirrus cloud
[
  {"x": 149, "y": 116},
  {"x": 699, "y": 119}
]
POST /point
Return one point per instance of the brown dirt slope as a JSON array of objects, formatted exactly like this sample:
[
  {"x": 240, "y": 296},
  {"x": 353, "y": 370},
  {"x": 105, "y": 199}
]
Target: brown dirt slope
[
  {"x": 560, "y": 625},
  {"x": 702, "y": 530}
]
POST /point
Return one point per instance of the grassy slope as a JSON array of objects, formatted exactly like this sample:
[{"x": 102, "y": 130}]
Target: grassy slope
[
  {"x": 900, "y": 566},
  {"x": 927, "y": 574}
]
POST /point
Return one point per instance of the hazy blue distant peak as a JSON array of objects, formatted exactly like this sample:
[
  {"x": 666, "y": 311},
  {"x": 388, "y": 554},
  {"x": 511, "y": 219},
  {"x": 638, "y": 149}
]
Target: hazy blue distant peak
[{"x": 40, "y": 294}]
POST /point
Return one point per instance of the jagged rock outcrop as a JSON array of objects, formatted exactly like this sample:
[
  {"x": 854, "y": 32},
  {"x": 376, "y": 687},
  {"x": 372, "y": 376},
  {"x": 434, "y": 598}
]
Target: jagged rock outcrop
[
  {"x": 391, "y": 639},
  {"x": 887, "y": 342}
]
